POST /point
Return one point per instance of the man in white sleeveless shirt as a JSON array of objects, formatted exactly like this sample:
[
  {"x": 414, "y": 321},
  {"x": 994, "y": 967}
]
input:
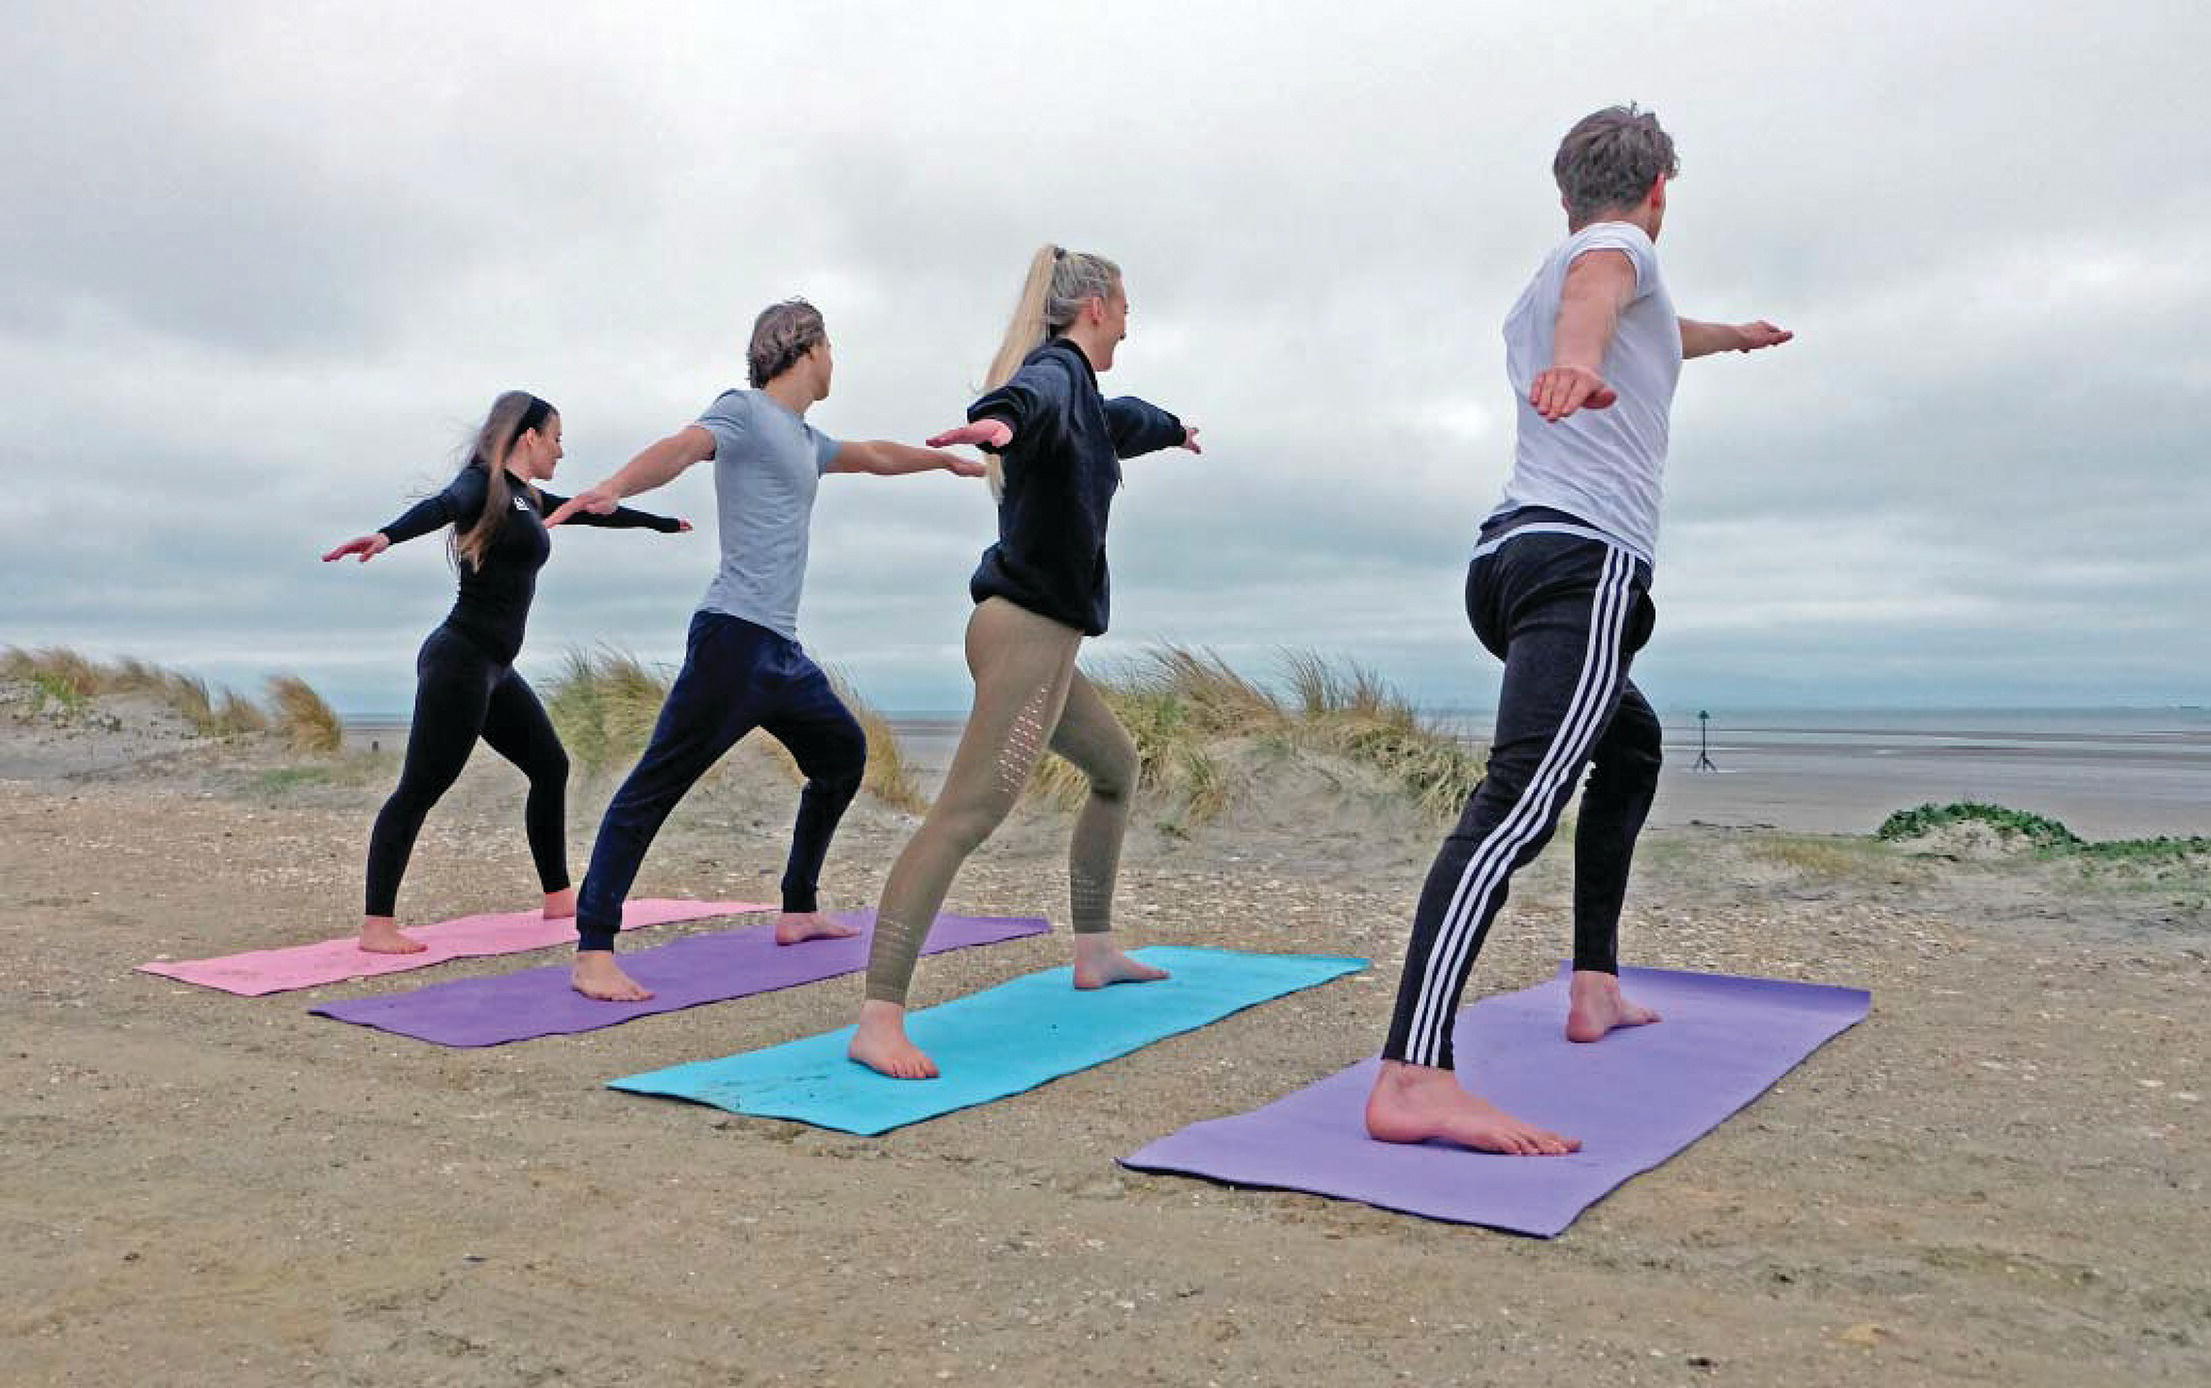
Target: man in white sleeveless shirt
[{"x": 1559, "y": 589}]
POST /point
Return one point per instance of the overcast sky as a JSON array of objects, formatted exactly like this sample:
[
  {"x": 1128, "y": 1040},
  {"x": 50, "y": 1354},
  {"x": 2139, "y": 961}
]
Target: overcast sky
[{"x": 263, "y": 266}]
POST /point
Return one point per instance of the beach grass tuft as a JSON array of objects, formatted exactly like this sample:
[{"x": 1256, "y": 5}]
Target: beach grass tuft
[
  {"x": 890, "y": 776},
  {"x": 72, "y": 680},
  {"x": 189, "y": 698},
  {"x": 603, "y": 703},
  {"x": 308, "y": 723},
  {"x": 1187, "y": 708}
]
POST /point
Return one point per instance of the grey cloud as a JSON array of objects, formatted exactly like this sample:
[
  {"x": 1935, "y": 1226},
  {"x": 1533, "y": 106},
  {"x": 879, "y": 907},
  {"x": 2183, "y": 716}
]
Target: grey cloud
[{"x": 273, "y": 262}]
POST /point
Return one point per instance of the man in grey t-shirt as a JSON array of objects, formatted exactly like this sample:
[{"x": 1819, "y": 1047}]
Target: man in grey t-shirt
[{"x": 743, "y": 668}]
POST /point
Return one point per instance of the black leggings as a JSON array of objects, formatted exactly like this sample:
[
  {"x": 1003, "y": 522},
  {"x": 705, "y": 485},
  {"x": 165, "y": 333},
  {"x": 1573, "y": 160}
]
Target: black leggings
[
  {"x": 1566, "y": 612},
  {"x": 461, "y": 693}
]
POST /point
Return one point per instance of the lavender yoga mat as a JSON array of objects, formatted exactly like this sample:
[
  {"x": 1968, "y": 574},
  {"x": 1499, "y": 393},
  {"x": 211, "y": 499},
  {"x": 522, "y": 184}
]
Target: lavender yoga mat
[
  {"x": 682, "y": 973},
  {"x": 1634, "y": 1099},
  {"x": 334, "y": 961}
]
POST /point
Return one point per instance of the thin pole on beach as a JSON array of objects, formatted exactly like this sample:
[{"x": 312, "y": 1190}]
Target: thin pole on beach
[{"x": 1704, "y": 752}]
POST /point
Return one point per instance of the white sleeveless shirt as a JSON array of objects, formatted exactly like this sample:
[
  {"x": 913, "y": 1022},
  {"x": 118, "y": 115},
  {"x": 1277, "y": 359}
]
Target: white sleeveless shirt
[{"x": 1605, "y": 466}]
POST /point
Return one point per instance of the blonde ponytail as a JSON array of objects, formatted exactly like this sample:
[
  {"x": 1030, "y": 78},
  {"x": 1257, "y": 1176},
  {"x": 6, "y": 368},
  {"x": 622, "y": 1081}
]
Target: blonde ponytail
[
  {"x": 1058, "y": 282},
  {"x": 1028, "y": 329}
]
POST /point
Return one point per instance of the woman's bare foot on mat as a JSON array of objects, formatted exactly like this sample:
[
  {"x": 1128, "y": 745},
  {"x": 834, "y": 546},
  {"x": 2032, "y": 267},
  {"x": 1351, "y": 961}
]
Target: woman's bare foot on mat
[
  {"x": 1413, "y": 1103},
  {"x": 1100, "y": 962},
  {"x": 880, "y": 1044},
  {"x": 596, "y": 975},
  {"x": 380, "y": 935},
  {"x": 1595, "y": 1007},
  {"x": 561, "y": 905},
  {"x": 797, "y": 927}
]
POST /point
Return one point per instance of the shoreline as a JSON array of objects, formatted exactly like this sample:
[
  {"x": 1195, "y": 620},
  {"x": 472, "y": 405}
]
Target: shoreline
[{"x": 2092, "y": 771}]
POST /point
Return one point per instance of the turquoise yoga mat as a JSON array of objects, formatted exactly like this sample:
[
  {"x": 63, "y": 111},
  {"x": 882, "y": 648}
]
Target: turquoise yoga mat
[{"x": 1001, "y": 1041}]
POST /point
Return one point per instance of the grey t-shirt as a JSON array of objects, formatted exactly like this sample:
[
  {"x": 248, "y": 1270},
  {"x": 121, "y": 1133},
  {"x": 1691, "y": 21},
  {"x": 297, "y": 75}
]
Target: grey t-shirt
[{"x": 767, "y": 464}]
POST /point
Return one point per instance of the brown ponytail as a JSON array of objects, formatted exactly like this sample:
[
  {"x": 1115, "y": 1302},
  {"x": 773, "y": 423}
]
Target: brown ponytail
[{"x": 513, "y": 414}]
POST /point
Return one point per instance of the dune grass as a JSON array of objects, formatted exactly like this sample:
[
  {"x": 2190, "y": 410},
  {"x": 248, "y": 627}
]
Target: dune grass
[
  {"x": 1186, "y": 708},
  {"x": 604, "y": 704},
  {"x": 72, "y": 680},
  {"x": 890, "y": 777},
  {"x": 308, "y": 723}
]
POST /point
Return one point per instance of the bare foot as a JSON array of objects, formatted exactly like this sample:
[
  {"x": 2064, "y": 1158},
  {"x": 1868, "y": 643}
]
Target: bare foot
[
  {"x": 596, "y": 975},
  {"x": 1100, "y": 963},
  {"x": 1594, "y": 1007},
  {"x": 380, "y": 935},
  {"x": 797, "y": 927},
  {"x": 561, "y": 905},
  {"x": 880, "y": 1044},
  {"x": 1413, "y": 1103}
]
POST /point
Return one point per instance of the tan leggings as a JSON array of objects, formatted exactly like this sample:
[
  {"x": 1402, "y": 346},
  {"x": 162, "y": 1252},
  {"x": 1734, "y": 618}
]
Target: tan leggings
[{"x": 1027, "y": 694}]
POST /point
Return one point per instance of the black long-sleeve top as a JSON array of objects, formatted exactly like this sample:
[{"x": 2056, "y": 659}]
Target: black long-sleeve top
[
  {"x": 494, "y": 601},
  {"x": 1061, "y": 472}
]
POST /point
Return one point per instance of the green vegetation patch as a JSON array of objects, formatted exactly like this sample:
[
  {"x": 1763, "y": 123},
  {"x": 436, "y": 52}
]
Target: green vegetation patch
[
  {"x": 2046, "y": 837},
  {"x": 279, "y": 779}
]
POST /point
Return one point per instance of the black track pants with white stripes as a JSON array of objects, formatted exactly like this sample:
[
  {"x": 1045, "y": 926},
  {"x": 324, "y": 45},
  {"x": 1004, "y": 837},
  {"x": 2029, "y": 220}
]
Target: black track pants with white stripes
[{"x": 1565, "y": 612}]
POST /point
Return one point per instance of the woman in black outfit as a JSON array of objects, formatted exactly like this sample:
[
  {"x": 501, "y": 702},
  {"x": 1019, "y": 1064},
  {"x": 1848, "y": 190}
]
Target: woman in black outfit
[{"x": 466, "y": 686}]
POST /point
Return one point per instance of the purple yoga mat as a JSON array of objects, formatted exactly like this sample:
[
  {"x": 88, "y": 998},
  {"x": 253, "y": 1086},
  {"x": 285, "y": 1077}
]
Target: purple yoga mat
[
  {"x": 1634, "y": 1099},
  {"x": 682, "y": 973}
]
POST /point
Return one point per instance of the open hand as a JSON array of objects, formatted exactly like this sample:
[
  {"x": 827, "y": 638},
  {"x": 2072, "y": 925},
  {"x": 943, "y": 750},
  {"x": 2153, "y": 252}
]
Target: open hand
[
  {"x": 996, "y": 433},
  {"x": 1761, "y": 334},
  {"x": 965, "y": 467},
  {"x": 597, "y": 500},
  {"x": 1561, "y": 390},
  {"x": 368, "y": 547}
]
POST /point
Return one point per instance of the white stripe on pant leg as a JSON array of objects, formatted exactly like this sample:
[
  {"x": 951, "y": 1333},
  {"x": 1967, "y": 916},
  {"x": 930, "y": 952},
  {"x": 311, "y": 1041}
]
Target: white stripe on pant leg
[
  {"x": 1591, "y": 662},
  {"x": 1449, "y": 944},
  {"x": 1486, "y": 876},
  {"x": 1492, "y": 859},
  {"x": 1492, "y": 863}
]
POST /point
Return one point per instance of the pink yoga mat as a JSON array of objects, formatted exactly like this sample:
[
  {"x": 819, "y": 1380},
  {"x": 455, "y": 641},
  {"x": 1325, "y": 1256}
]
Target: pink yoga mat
[{"x": 333, "y": 961}]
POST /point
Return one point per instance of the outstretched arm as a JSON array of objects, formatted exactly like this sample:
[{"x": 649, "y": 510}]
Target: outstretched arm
[
  {"x": 993, "y": 434},
  {"x": 459, "y": 504},
  {"x": 1703, "y": 339},
  {"x": 620, "y": 518},
  {"x": 1598, "y": 285},
  {"x": 887, "y": 459},
  {"x": 1140, "y": 427},
  {"x": 657, "y": 466},
  {"x": 1032, "y": 404}
]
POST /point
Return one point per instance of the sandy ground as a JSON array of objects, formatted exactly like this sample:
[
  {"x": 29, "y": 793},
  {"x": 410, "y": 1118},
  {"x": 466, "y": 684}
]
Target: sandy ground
[{"x": 1999, "y": 1178}]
